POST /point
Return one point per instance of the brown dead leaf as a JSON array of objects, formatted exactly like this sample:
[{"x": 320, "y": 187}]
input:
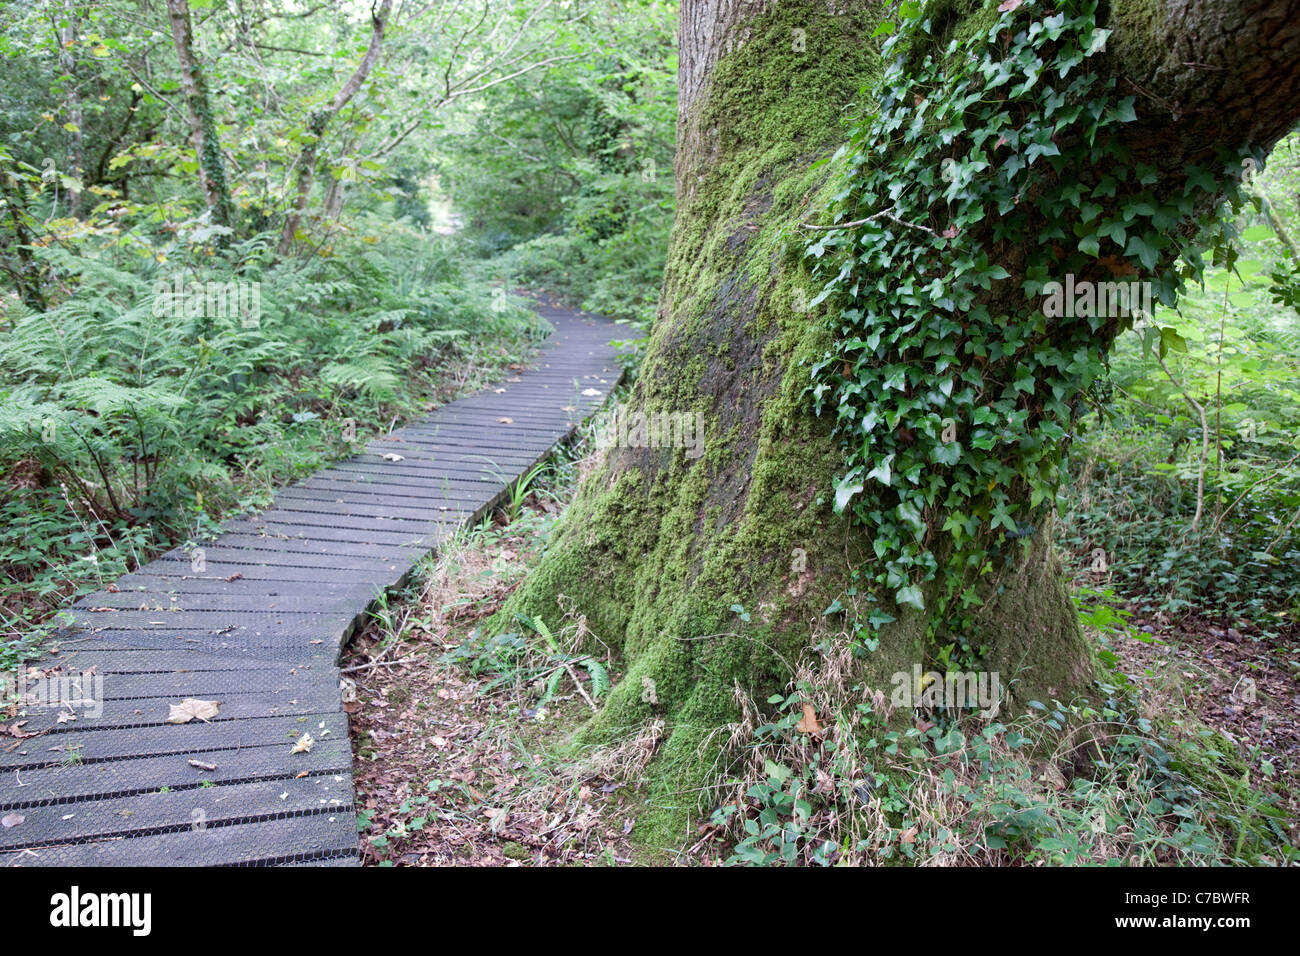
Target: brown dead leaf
[
  {"x": 234, "y": 577},
  {"x": 191, "y": 709},
  {"x": 1117, "y": 267},
  {"x": 808, "y": 722},
  {"x": 16, "y": 730}
]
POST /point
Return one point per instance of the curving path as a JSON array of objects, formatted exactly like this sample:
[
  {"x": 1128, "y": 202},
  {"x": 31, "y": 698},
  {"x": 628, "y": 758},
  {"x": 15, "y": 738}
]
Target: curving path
[{"x": 258, "y": 627}]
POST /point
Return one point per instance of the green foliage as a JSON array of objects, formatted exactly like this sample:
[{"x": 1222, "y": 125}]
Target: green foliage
[
  {"x": 565, "y": 179},
  {"x": 1060, "y": 785},
  {"x": 1200, "y": 513},
  {"x": 953, "y": 393},
  {"x": 512, "y": 659}
]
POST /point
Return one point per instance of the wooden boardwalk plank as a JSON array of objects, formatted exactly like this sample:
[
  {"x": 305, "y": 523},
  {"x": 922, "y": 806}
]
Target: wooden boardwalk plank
[
  {"x": 86, "y": 743},
  {"x": 146, "y": 775},
  {"x": 187, "y": 809},
  {"x": 153, "y": 711},
  {"x": 288, "y": 839}
]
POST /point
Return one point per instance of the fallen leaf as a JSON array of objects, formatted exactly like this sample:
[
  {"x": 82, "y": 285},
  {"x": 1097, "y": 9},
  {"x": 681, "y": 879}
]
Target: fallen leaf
[
  {"x": 591, "y": 392},
  {"x": 203, "y": 766},
  {"x": 808, "y": 723},
  {"x": 506, "y": 421},
  {"x": 304, "y": 744},
  {"x": 389, "y": 456},
  {"x": 234, "y": 577},
  {"x": 190, "y": 709},
  {"x": 11, "y": 820}
]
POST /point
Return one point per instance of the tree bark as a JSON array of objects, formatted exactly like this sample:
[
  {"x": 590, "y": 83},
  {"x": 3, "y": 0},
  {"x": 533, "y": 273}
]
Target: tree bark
[
  {"x": 658, "y": 547},
  {"x": 66, "y": 38},
  {"x": 203, "y": 129}
]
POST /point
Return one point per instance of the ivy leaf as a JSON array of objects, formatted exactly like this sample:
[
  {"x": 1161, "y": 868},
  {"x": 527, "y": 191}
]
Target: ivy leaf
[
  {"x": 1146, "y": 253},
  {"x": 883, "y": 472},
  {"x": 910, "y": 596},
  {"x": 845, "y": 489}
]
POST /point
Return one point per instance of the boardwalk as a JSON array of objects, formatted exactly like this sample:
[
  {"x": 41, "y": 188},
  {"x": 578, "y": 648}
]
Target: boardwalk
[{"x": 257, "y": 623}]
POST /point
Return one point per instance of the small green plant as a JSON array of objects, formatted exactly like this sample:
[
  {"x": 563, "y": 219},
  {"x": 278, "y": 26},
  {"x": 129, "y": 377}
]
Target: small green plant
[{"x": 521, "y": 489}]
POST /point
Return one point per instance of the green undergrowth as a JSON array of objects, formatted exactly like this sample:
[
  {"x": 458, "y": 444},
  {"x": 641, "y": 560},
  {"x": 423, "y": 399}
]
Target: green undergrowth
[
  {"x": 1065, "y": 785},
  {"x": 824, "y": 774}
]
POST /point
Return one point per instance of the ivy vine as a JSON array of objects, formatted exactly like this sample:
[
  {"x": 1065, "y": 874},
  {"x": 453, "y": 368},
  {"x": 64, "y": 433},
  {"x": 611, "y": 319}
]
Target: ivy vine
[{"x": 954, "y": 396}]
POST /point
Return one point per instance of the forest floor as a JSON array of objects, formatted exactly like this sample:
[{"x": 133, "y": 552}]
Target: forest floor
[
  {"x": 1230, "y": 679},
  {"x": 454, "y": 766},
  {"x": 457, "y": 768}
]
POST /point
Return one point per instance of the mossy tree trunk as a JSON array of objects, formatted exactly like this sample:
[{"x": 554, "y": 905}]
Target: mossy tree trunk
[
  {"x": 203, "y": 127},
  {"x": 659, "y": 546}
]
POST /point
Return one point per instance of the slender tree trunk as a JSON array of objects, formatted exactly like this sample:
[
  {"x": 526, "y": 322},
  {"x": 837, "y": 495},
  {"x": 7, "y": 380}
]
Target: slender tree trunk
[
  {"x": 321, "y": 119},
  {"x": 66, "y": 35},
  {"x": 203, "y": 129},
  {"x": 659, "y": 546}
]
